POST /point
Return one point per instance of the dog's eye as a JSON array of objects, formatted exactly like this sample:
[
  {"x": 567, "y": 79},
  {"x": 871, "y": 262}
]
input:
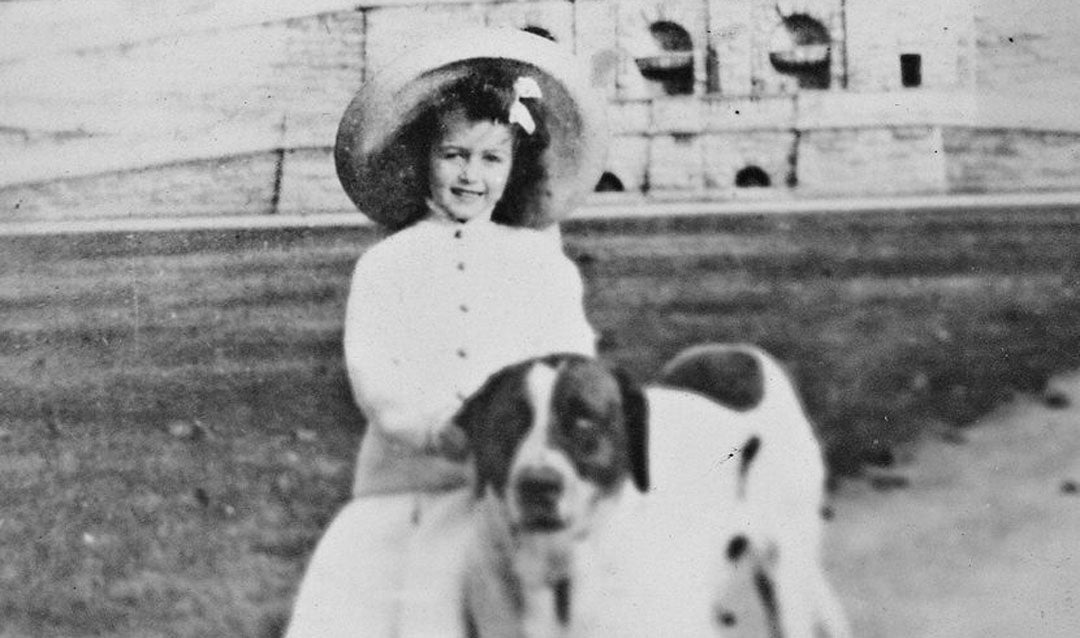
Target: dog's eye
[
  {"x": 583, "y": 426},
  {"x": 584, "y": 432},
  {"x": 591, "y": 442}
]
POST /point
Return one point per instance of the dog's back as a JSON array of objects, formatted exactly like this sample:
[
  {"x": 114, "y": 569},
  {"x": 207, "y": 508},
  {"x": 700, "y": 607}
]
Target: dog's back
[
  {"x": 658, "y": 562},
  {"x": 776, "y": 477}
]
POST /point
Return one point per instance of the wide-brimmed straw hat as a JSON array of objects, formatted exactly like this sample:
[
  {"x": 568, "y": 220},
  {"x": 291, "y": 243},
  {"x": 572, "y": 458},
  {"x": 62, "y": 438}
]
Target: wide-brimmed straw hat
[{"x": 380, "y": 177}]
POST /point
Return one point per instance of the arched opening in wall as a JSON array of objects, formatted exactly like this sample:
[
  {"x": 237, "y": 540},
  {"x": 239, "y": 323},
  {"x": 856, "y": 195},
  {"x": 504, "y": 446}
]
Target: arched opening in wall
[
  {"x": 609, "y": 184},
  {"x": 540, "y": 31},
  {"x": 752, "y": 177},
  {"x": 673, "y": 67},
  {"x": 801, "y": 47}
]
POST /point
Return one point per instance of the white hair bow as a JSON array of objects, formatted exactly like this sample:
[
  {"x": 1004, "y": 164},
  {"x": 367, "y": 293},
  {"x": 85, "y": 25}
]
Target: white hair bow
[{"x": 524, "y": 87}]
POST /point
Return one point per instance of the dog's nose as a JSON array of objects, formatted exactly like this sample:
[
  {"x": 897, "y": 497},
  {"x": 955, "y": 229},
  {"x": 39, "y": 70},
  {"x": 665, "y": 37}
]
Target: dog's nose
[{"x": 539, "y": 485}]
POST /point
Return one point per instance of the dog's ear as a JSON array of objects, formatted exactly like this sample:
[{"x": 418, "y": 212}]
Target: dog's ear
[
  {"x": 483, "y": 418},
  {"x": 636, "y": 414},
  {"x": 472, "y": 414},
  {"x": 465, "y": 419},
  {"x": 469, "y": 420}
]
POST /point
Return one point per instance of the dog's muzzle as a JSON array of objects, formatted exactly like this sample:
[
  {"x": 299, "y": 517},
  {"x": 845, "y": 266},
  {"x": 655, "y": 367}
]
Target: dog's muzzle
[{"x": 538, "y": 492}]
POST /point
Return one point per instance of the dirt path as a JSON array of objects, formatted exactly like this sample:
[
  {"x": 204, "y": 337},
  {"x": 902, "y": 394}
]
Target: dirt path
[{"x": 984, "y": 540}]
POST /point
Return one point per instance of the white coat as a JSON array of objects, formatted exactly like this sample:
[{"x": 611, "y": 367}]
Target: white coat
[{"x": 432, "y": 312}]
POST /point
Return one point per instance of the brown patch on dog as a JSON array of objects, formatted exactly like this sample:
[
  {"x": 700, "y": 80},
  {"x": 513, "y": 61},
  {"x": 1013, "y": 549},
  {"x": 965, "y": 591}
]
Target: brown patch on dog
[{"x": 728, "y": 375}]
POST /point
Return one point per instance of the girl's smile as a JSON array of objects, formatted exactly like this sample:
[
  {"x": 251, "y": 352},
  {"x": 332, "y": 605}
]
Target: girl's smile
[{"x": 469, "y": 166}]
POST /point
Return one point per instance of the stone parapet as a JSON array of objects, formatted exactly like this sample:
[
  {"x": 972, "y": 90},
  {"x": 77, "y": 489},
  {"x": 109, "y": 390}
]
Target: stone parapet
[
  {"x": 834, "y": 109},
  {"x": 989, "y": 160},
  {"x": 884, "y": 161}
]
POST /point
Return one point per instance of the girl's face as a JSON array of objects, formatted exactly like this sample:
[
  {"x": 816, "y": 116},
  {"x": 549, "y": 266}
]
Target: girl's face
[{"x": 469, "y": 165}]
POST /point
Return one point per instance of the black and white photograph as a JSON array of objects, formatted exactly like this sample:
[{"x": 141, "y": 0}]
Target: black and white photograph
[{"x": 539, "y": 319}]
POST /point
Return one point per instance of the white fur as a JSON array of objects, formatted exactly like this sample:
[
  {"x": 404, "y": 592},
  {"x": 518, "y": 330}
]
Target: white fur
[
  {"x": 535, "y": 562},
  {"x": 534, "y": 451},
  {"x": 655, "y": 564}
]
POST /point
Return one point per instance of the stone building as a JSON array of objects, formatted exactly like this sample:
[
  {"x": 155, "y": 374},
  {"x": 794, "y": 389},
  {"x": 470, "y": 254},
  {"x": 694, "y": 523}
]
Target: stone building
[
  {"x": 712, "y": 97},
  {"x": 709, "y": 99}
]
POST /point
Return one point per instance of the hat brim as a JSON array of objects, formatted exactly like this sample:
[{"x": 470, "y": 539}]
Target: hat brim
[{"x": 374, "y": 161}]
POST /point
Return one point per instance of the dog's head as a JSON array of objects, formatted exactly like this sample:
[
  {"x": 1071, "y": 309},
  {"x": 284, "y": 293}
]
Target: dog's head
[{"x": 552, "y": 436}]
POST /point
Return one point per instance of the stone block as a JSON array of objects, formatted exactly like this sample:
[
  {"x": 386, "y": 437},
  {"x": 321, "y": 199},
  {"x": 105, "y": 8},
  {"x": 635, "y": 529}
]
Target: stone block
[
  {"x": 726, "y": 154},
  {"x": 310, "y": 183},
  {"x": 625, "y": 116},
  {"x": 392, "y": 30},
  {"x": 675, "y": 164},
  {"x": 628, "y": 161},
  {"x": 871, "y": 161},
  {"x": 748, "y": 113},
  {"x": 993, "y": 160},
  {"x": 596, "y": 43},
  {"x": 731, "y": 36},
  {"x": 681, "y": 114},
  {"x": 240, "y": 185}
]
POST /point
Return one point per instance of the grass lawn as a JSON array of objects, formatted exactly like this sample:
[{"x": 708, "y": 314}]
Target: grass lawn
[{"x": 176, "y": 430}]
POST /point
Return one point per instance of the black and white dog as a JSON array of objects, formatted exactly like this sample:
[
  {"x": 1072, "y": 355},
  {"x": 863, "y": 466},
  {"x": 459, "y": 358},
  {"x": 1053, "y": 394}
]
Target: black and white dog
[{"x": 609, "y": 510}]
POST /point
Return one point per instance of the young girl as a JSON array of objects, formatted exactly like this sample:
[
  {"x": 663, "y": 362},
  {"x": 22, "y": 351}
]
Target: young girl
[{"x": 472, "y": 165}]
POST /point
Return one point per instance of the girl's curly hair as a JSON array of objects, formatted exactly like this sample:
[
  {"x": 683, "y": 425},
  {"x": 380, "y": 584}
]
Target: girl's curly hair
[{"x": 485, "y": 93}]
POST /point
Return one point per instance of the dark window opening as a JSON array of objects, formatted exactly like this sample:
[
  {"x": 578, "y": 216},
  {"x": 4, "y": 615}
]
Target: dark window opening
[
  {"x": 670, "y": 36},
  {"x": 609, "y": 184},
  {"x": 802, "y": 48},
  {"x": 674, "y": 67},
  {"x": 752, "y": 177},
  {"x": 540, "y": 31},
  {"x": 910, "y": 69}
]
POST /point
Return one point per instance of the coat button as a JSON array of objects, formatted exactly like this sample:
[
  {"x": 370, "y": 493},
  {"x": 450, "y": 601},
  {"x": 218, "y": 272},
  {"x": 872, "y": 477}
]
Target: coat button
[
  {"x": 461, "y": 353},
  {"x": 461, "y": 265},
  {"x": 457, "y": 234},
  {"x": 463, "y": 308}
]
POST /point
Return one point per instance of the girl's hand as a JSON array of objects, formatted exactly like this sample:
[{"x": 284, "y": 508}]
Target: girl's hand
[{"x": 449, "y": 442}]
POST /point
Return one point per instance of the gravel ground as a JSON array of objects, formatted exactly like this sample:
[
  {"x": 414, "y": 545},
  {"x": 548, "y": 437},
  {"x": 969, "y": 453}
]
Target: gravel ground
[{"x": 972, "y": 537}]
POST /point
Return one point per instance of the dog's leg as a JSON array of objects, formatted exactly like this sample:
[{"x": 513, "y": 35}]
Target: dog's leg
[
  {"x": 493, "y": 598},
  {"x": 807, "y": 602},
  {"x": 492, "y": 604},
  {"x": 538, "y": 614},
  {"x": 831, "y": 617},
  {"x": 542, "y": 564}
]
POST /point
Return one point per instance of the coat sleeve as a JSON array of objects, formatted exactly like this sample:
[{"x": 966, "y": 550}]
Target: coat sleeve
[
  {"x": 567, "y": 328},
  {"x": 393, "y": 390}
]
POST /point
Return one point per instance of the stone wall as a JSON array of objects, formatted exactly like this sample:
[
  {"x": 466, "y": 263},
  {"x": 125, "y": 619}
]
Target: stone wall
[
  {"x": 768, "y": 33},
  {"x": 275, "y": 84},
  {"x": 310, "y": 183},
  {"x": 989, "y": 160},
  {"x": 877, "y": 161},
  {"x": 941, "y": 32},
  {"x": 239, "y": 185},
  {"x": 321, "y": 66},
  {"x": 726, "y": 154},
  {"x": 240, "y": 118}
]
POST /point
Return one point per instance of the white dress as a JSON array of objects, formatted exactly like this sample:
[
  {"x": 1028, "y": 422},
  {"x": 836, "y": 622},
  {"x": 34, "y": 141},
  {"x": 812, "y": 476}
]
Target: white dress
[{"x": 432, "y": 312}]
